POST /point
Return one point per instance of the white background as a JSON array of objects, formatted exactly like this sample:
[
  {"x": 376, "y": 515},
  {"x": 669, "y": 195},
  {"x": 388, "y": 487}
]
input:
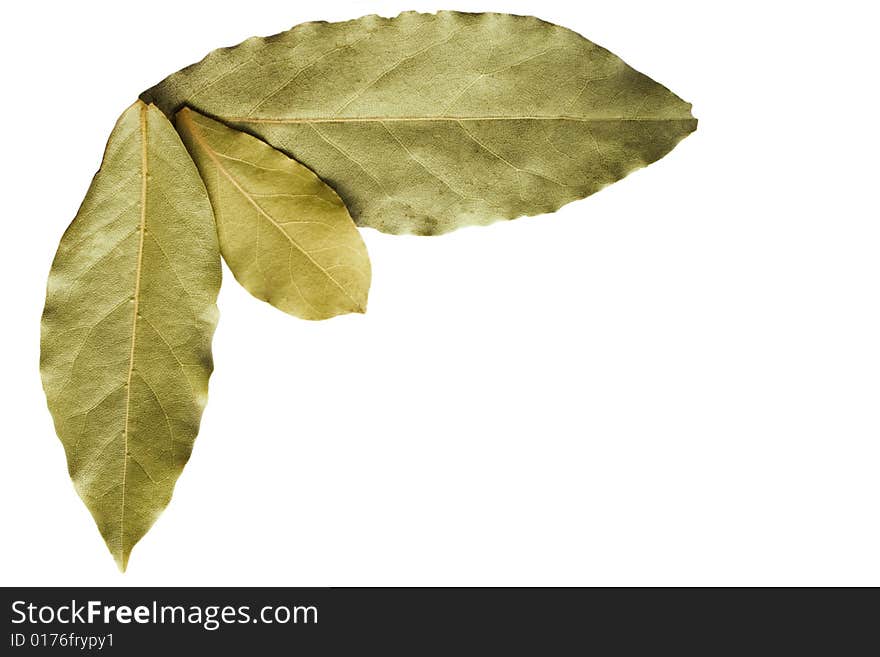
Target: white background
[{"x": 675, "y": 381}]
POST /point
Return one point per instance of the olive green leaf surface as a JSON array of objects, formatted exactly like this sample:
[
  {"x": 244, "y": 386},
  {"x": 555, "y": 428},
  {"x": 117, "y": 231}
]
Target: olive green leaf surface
[
  {"x": 427, "y": 122},
  {"x": 280, "y": 147},
  {"x": 127, "y": 327},
  {"x": 286, "y": 236}
]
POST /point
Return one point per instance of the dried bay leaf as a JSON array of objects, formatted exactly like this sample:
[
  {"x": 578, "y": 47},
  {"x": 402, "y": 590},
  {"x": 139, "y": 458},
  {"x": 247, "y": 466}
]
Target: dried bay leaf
[
  {"x": 427, "y": 122},
  {"x": 127, "y": 327},
  {"x": 286, "y": 235}
]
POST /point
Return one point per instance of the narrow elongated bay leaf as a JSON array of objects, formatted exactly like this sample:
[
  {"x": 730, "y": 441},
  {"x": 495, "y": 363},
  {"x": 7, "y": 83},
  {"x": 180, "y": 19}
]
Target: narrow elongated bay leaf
[
  {"x": 427, "y": 122},
  {"x": 126, "y": 331},
  {"x": 286, "y": 236}
]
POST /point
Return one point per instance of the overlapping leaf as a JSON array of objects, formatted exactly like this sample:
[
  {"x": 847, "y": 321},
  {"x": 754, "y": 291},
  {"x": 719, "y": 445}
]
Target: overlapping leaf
[
  {"x": 427, "y": 122},
  {"x": 127, "y": 327},
  {"x": 286, "y": 236}
]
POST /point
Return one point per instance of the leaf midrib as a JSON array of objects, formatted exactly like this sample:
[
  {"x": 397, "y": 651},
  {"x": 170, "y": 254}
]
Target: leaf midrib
[
  {"x": 446, "y": 118},
  {"x": 134, "y": 317}
]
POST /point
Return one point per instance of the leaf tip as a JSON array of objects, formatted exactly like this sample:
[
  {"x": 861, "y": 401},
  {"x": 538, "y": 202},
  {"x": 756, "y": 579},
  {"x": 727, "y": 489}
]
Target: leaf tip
[{"x": 121, "y": 559}]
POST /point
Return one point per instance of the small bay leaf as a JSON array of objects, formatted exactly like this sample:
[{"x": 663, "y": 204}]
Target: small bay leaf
[
  {"x": 427, "y": 122},
  {"x": 286, "y": 235},
  {"x": 127, "y": 327}
]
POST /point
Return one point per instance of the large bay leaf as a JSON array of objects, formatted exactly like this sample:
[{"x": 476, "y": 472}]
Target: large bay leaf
[
  {"x": 127, "y": 327},
  {"x": 286, "y": 236},
  {"x": 424, "y": 123}
]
